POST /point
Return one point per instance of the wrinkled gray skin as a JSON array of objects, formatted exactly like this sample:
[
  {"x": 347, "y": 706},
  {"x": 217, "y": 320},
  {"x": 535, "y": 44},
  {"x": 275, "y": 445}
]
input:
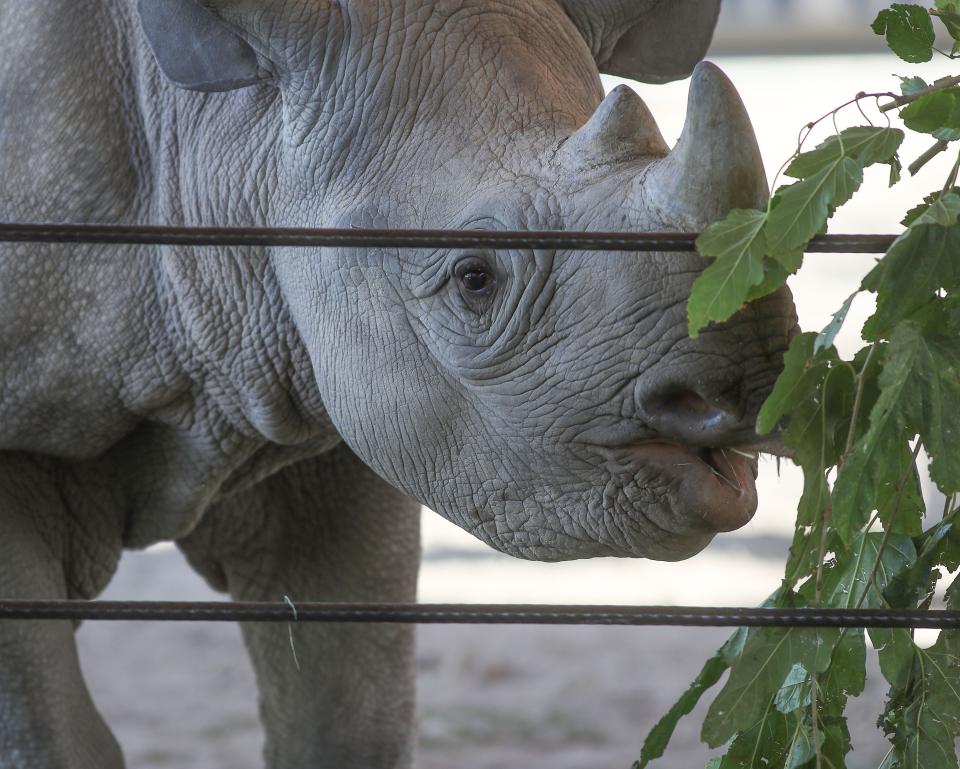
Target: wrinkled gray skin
[{"x": 277, "y": 412}]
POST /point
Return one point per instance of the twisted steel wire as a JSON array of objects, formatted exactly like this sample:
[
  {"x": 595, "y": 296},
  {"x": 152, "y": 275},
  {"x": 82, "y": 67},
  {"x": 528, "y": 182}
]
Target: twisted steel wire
[
  {"x": 476, "y": 614},
  {"x": 401, "y": 239}
]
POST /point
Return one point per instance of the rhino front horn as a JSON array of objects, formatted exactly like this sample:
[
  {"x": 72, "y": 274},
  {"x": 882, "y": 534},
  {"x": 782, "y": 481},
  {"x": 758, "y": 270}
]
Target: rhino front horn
[
  {"x": 621, "y": 129},
  {"x": 716, "y": 165}
]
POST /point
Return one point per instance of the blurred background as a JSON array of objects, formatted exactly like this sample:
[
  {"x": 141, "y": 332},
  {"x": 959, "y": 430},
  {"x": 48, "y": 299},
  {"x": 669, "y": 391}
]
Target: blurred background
[{"x": 564, "y": 698}]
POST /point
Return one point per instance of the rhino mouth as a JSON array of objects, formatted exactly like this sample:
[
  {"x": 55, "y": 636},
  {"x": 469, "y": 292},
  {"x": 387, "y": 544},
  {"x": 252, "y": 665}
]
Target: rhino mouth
[{"x": 714, "y": 487}]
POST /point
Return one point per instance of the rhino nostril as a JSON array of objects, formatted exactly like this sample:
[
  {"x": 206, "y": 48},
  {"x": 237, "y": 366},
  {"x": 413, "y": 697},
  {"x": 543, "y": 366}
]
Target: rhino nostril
[
  {"x": 687, "y": 400},
  {"x": 688, "y": 416}
]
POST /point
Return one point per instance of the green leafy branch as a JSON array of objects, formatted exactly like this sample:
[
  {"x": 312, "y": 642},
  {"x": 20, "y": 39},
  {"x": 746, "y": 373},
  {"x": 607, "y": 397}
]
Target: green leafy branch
[{"x": 856, "y": 428}]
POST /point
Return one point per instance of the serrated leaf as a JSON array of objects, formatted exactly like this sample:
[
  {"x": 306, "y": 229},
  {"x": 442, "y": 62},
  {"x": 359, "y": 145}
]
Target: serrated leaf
[
  {"x": 769, "y": 736},
  {"x": 909, "y": 31},
  {"x": 800, "y": 211},
  {"x": 868, "y": 481},
  {"x": 914, "y": 587},
  {"x": 949, "y": 13},
  {"x": 936, "y": 113},
  {"x": 895, "y": 650},
  {"x": 795, "y": 692},
  {"x": 828, "y": 336},
  {"x": 917, "y": 211},
  {"x": 757, "y": 676},
  {"x": 920, "y": 386},
  {"x": 818, "y": 426},
  {"x": 797, "y": 382},
  {"x": 866, "y": 145},
  {"x": 803, "y": 746},
  {"x": 910, "y": 85},
  {"x": 738, "y": 245},
  {"x": 862, "y": 576},
  {"x": 659, "y": 737},
  {"x": 920, "y": 262},
  {"x": 923, "y": 714},
  {"x": 848, "y": 672}
]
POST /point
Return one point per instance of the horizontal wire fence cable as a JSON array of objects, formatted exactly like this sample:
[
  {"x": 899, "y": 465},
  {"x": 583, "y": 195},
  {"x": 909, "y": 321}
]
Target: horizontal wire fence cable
[
  {"x": 368, "y": 238},
  {"x": 476, "y": 614}
]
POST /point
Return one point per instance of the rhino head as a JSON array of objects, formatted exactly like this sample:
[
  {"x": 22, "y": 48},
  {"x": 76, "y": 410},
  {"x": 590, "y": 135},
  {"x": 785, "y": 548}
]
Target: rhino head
[{"x": 548, "y": 402}]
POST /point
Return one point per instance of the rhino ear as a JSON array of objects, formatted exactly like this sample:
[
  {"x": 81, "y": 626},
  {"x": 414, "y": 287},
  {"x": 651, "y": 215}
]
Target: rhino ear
[
  {"x": 654, "y": 41},
  {"x": 196, "y": 49}
]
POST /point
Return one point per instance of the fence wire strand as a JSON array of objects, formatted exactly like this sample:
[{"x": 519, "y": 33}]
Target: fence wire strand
[
  {"x": 476, "y": 614},
  {"x": 397, "y": 239}
]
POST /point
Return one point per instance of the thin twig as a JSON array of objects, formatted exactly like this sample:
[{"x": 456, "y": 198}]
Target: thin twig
[
  {"x": 888, "y": 528},
  {"x": 926, "y": 157},
  {"x": 939, "y": 85},
  {"x": 857, "y": 401},
  {"x": 952, "y": 177}
]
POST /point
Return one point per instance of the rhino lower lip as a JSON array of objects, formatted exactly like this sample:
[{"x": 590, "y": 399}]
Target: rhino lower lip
[{"x": 716, "y": 486}]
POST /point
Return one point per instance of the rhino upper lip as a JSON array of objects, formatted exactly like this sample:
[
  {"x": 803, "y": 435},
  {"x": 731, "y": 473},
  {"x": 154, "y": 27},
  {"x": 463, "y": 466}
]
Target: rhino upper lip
[{"x": 723, "y": 461}]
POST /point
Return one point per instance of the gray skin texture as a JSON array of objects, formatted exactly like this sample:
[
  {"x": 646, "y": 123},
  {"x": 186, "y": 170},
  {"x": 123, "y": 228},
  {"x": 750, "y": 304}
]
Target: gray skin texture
[{"x": 281, "y": 413}]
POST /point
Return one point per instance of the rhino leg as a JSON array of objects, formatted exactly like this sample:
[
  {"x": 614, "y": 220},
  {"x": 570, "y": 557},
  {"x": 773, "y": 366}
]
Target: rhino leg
[
  {"x": 325, "y": 529},
  {"x": 47, "y": 718}
]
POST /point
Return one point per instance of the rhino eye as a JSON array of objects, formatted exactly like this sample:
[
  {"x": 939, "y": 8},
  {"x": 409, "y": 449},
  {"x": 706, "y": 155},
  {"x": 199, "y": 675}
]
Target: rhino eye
[{"x": 476, "y": 280}]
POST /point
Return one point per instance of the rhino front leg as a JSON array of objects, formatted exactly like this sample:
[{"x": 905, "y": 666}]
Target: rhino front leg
[
  {"x": 325, "y": 529},
  {"x": 47, "y": 719}
]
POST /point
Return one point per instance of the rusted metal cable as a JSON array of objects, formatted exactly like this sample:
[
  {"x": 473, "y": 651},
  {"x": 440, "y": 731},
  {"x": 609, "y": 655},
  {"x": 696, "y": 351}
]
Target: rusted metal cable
[
  {"x": 370, "y": 238},
  {"x": 476, "y": 614}
]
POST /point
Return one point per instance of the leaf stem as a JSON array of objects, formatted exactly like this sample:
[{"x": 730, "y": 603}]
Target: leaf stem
[
  {"x": 888, "y": 528},
  {"x": 951, "y": 177},
  {"x": 939, "y": 85},
  {"x": 857, "y": 402},
  {"x": 926, "y": 157}
]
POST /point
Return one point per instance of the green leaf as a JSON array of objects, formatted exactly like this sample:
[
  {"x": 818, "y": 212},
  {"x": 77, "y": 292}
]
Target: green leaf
[
  {"x": 738, "y": 244},
  {"x": 909, "y": 31},
  {"x": 659, "y": 737},
  {"x": 921, "y": 389},
  {"x": 797, "y": 382},
  {"x": 800, "y": 211},
  {"x": 923, "y": 714},
  {"x": 917, "y": 211},
  {"x": 895, "y": 649},
  {"x": 916, "y": 267},
  {"x": 817, "y": 428},
  {"x": 847, "y": 674},
  {"x": 758, "y": 675},
  {"x": 865, "y": 144},
  {"x": 754, "y": 747},
  {"x": 828, "y": 336},
  {"x": 795, "y": 692},
  {"x": 914, "y": 587},
  {"x": 803, "y": 746},
  {"x": 910, "y": 85},
  {"x": 866, "y": 571},
  {"x": 936, "y": 113},
  {"x": 949, "y": 13}
]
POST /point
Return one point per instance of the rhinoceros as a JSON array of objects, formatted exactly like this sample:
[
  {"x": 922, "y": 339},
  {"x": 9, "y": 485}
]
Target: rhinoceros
[{"x": 282, "y": 413}]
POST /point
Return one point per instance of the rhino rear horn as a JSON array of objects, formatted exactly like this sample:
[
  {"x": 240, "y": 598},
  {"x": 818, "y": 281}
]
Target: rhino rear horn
[
  {"x": 654, "y": 41},
  {"x": 621, "y": 129}
]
